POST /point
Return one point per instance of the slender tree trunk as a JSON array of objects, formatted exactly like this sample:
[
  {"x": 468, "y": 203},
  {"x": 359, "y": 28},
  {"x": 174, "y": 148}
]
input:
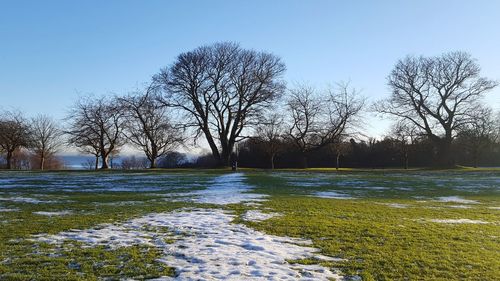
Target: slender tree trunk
[
  {"x": 406, "y": 161},
  {"x": 96, "y": 162},
  {"x": 42, "y": 162},
  {"x": 104, "y": 164},
  {"x": 9, "y": 160},
  {"x": 337, "y": 162},
  {"x": 272, "y": 161}
]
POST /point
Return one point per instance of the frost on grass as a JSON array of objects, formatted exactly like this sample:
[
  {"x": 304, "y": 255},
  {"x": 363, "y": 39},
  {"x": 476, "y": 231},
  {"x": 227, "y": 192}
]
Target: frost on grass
[
  {"x": 207, "y": 246},
  {"x": 53, "y": 214},
  {"x": 458, "y": 221},
  {"x": 8, "y": 210},
  {"x": 24, "y": 200},
  {"x": 395, "y": 205},
  {"x": 456, "y": 199},
  {"x": 257, "y": 215},
  {"x": 332, "y": 195}
]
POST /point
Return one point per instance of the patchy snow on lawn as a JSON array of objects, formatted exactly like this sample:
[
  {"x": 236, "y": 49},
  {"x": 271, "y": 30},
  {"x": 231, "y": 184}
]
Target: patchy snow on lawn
[
  {"x": 332, "y": 195},
  {"x": 458, "y": 221},
  {"x": 257, "y": 215},
  {"x": 25, "y": 200},
  {"x": 210, "y": 247},
  {"x": 8, "y": 210},
  {"x": 53, "y": 214},
  {"x": 456, "y": 199},
  {"x": 225, "y": 189},
  {"x": 395, "y": 205}
]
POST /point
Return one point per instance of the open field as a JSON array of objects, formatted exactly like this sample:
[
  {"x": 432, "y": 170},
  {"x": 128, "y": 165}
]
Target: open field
[{"x": 310, "y": 225}]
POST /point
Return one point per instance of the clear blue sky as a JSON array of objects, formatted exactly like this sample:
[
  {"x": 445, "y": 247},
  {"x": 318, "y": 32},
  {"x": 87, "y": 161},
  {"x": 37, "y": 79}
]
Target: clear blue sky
[{"x": 51, "y": 50}]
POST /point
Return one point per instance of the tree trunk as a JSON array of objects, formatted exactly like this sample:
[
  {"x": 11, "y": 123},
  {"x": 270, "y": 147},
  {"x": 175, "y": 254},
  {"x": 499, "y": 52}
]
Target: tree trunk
[
  {"x": 9, "y": 160},
  {"x": 152, "y": 163},
  {"x": 444, "y": 156},
  {"x": 406, "y": 160},
  {"x": 272, "y": 161},
  {"x": 337, "y": 162},
  {"x": 96, "y": 162},
  {"x": 104, "y": 165},
  {"x": 42, "y": 162}
]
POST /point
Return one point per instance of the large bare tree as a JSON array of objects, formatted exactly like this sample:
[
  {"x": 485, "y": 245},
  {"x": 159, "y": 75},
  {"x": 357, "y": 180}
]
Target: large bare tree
[
  {"x": 97, "y": 125},
  {"x": 320, "y": 120},
  {"x": 14, "y": 134},
  {"x": 223, "y": 89},
  {"x": 46, "y": 138},
  {"x": 150, "y": 126},
  {"x": 437, "y": 95}
]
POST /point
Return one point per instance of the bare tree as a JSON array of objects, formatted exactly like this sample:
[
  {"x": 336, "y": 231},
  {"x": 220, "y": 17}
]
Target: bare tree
[
  {"x": 223, "y": 89},
  {"x": 96, "y": 125},
  {"x": 14, "y": 134},
  {"x": 479, "y": 133},
  {"x": 46, "y": 138},
  {"x": 150, "y": 127},
  {"x": 269, "y": 134},
  {"x": 405, "y": 134},
  {"x": 318, "y": 121},
  {"x": 437, "y": 95}
]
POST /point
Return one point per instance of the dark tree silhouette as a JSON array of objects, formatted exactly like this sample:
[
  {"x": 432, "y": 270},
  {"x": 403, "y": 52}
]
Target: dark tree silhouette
[
  {"x": 14, "y": 134},
  {"x": 223, "y": 89},
  {"x": 150, "y": 127},
  {"x": 437, "y": 95},
  {"x": 96, "y": 125},
  {"x": 46, "y": 138},
  {"x": 318, "y": 121},
  {"x": 269, "y": 134}
]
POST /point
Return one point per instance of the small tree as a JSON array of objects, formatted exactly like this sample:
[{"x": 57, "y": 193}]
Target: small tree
[
  {"x": 96, "y": 125},
  {"x": 150, "y": 126},
  {"x": 405, "y": 134},
  {"x": 45, "y": 136},
  {"x": 269, "y": 135},
  {"x": 14, "y": 134},
  {"x": 317, "y": 121}
]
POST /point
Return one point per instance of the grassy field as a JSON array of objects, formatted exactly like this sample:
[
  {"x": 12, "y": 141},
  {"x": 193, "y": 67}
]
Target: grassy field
[{"x": 376, "y": 225}]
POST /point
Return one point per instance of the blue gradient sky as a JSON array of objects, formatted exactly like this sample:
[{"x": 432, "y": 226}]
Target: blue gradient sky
[{"x": 52, "y": 50}]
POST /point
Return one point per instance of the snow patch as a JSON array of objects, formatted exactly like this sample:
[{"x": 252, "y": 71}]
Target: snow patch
[
  {"x": 25, "y": 200},
  {"x": 225, "y": 189},
  {"x": 8, "y": 210},
  {"x": 332, "y": 195},
  {"x": 52, "y": 214},
  {"x": 256, "y": 215},
  {"x": 396, "y": 205},
  {"x": 456, "y": 199},
  {"x": 212, "y": 248},
  {"x": 459, "y": 221}
]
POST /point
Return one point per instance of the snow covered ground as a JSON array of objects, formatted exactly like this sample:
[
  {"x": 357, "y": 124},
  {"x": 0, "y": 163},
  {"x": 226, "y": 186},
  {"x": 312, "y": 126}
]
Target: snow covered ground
[{"x": 207, "y": 245}]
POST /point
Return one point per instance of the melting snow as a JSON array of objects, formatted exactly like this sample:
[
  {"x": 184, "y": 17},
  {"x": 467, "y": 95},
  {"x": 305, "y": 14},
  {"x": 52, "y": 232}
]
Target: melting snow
[
  {"x": 24, "y": 200},
  {"x": 332, "y": 194},
  {"x": 225, "y": 189},
  {"x": 459, "y": 221},
  {"x": 51, "y": 214},
  {"x": 8, "y": 210},
  {"x": 456, "y": 199},
  {"x": 256, "y": 215},
  {"x": 213, "y": 247}
]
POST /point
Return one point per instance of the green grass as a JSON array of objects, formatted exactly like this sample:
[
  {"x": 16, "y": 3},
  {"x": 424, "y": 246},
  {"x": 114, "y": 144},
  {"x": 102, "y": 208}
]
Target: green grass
[
  {"x": 376, "y": 241},
  {"x": 380, "y": 242}
]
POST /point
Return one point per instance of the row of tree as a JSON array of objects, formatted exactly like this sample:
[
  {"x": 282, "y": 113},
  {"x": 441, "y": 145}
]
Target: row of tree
[{"x": 232, "y": 95}]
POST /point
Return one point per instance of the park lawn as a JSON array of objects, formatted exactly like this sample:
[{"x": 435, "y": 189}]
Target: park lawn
[
  {"x": 390, "y": 234},
  {"x": 384, "y": 228}
]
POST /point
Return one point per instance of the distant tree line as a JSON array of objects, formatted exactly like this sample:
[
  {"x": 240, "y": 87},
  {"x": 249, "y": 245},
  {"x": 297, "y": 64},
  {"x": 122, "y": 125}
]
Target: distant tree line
[{"x": 236, "y": 101}]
